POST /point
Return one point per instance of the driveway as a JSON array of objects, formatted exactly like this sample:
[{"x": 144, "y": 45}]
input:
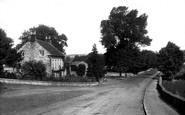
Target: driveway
[{"x": 113, "y": 97}]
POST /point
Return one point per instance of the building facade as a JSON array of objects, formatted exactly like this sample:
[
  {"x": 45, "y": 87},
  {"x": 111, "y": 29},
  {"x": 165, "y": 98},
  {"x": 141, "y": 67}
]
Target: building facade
[{"x": 39, "y": 50}]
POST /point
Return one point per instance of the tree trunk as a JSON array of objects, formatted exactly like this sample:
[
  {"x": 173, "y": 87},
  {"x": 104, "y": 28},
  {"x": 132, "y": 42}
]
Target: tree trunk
[
  {"x": 120, "y": 74},
  {"x": 125, "y": 75}
]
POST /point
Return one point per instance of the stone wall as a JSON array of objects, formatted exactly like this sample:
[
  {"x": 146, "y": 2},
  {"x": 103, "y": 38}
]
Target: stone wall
[{"x": 172, "y": 99}]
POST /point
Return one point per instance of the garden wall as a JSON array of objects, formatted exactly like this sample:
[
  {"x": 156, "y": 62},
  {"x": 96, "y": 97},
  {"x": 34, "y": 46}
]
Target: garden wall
[{"x": 174, "y": 100}]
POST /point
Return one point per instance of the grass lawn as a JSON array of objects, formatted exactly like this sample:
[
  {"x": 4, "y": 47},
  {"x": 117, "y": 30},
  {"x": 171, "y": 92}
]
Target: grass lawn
[{"x": 176, "y": 87}]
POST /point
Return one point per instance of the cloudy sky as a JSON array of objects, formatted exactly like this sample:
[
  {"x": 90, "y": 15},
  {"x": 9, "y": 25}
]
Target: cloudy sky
[{"x": 80, "y": 20}]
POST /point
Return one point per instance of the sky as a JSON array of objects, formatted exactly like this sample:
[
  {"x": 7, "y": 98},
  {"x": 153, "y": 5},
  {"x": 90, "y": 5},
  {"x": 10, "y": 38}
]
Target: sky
[{"x": 80, "y": 20}]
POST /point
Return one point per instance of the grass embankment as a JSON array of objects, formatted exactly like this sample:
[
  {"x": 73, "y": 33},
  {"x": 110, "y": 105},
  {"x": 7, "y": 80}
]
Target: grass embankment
[
  {"x": 175, "y": 87},
  {"x": 181, "y": 74}
]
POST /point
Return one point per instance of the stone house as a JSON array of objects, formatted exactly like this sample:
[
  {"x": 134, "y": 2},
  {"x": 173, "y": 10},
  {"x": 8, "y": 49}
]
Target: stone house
[{"x": 43, "y": 51}]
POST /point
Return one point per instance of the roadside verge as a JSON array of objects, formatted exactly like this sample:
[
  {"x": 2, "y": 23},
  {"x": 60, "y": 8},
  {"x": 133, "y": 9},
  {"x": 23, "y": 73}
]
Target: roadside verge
[
  {"x": 47, "y": 83},
  {"x": 174, "y": 100}
]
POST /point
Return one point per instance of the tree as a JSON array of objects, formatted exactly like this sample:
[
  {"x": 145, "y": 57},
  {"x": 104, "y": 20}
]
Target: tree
[
  {"x": 95, "y": 64},
  {"x": 122, "y": 35},
  {"x": 45, "y": 33},
  {"x": 14, "y": 58},
  {"x": 148, "y": 59},
  {"x": 80, "y": 58},
  {"x": 8, "y": 55},
  {"x": 170, "y": 60},
  {"x": 81, "y": 69}
]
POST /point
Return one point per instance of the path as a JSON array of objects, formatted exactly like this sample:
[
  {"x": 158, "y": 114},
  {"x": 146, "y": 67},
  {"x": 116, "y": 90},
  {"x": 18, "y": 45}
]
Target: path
[{"x": 153, "y": 103}]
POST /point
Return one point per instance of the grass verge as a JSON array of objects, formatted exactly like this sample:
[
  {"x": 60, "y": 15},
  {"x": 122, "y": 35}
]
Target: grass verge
[{"x": 175, "y": 87}]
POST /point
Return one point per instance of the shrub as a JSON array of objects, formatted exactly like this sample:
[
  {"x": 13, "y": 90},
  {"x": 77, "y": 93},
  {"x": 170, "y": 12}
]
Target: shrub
[
  {"x": 81, "y": 69},
  {"x": 33, "y": 70},
  {"x": 8, "y": 75}
]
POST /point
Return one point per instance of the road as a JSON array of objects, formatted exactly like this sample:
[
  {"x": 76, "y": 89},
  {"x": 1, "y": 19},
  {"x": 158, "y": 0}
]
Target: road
[{"x": 113, "y": 97}]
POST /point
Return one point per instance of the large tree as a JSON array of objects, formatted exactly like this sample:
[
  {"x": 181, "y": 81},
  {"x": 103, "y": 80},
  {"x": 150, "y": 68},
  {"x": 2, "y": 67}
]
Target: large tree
[
  {"x": 8, "y": 55},
  {"x": 122, "y": 35},
  {"x": 170, "y": 60},
  {"x": 45, "y": 33}
]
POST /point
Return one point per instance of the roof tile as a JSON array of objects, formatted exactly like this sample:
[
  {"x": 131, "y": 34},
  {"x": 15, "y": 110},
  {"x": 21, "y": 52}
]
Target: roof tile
[{"x": 50, "y": 48}]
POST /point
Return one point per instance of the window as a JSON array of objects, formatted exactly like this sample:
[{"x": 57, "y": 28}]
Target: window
[
  {"x": 73, "y": 67},
  {"x": 41, "y": 52},
  {"x": 22, "y": 53}
]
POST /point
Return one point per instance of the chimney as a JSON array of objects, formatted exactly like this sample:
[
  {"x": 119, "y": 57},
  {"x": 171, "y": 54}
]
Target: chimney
[
  {"x": 48, "y": 39},
  {"x": 32, "y": 37}
]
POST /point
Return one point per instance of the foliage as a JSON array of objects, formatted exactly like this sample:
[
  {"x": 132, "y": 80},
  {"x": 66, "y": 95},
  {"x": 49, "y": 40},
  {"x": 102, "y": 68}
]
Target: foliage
[
  {"x": 148, "y": 59},
  {"x": 67, "y": 67},
  {"x": 33, "y": 70},
  {"x": 5, "y": 47},
  {"x": 122, "y": 35},
  {"x": 45, "y": 33},
  {"x": 8, "y": 55},
  {"x": 95, "y": 64},
  {"x": 181, "y": 74},
  {"x": 8, "y": 75},
  {"x": 127, "y": 60},
  {"x": 170, "y": 59},
  {"x": 14, "y": 58},
  {"x": 80, "y": 58},
  {"x": 81, "y": 69},
  {"x": 124, "y": 27}
]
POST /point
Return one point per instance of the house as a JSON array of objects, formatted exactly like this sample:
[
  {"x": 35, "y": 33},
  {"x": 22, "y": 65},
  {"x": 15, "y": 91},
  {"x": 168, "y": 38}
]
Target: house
[
  {"x": 75, "y": 64},
  {"x": 6, "y": 68},
  {"x": 43, "y": 51}
]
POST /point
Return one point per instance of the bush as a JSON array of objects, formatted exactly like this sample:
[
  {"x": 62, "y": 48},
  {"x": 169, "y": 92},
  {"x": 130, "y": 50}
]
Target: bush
[
  {"x": 33, "y": 70},
  {"x": 81, "y": 69},
  {"x": 180, "y": 76},
  {"x": 8, "y": 75}
]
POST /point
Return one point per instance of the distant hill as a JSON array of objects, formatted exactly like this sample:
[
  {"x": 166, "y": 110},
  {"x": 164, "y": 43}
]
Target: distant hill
[{"x": 76, "y": 57}]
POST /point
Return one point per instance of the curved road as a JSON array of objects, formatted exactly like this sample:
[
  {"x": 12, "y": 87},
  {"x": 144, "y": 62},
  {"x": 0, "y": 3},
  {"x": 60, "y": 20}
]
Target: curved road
[{"x": 113, "y": 97}]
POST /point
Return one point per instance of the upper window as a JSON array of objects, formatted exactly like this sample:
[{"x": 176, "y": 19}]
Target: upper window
[
  {"x": 41, "y": 52},
  {"x": 22, "y": 53}
]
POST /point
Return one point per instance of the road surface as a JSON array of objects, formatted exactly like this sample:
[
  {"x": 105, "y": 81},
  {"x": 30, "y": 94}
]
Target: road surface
[{"x": 113, "y": 97}]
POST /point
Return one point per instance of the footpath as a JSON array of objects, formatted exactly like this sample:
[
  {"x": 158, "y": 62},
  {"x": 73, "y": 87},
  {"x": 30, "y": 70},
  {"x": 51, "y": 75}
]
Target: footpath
[{"x": 154, "y": 105}]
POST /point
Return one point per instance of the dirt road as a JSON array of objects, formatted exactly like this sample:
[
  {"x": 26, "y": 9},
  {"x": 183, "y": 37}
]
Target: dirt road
[{"x": 113, "y": 97}]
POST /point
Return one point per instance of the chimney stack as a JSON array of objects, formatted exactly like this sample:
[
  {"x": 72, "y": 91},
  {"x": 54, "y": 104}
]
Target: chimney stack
[
  {"x": 32, "y": 36},
  {"x": 48, "y": 39}
]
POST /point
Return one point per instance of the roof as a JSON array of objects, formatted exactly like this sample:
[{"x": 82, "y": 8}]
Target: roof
[{"x": 50, "y": 48}]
